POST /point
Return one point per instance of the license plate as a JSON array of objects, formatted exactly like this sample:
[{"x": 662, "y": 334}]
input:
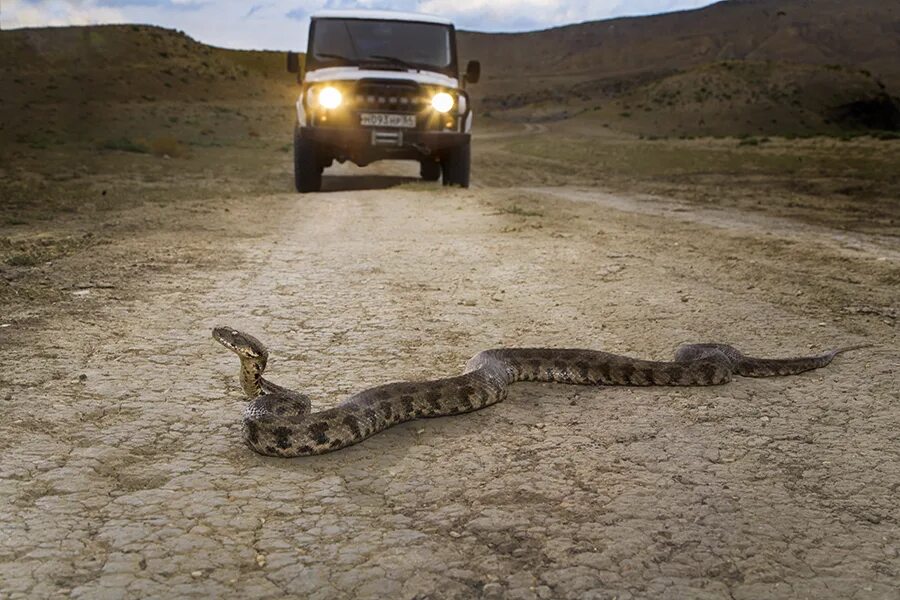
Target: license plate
[{"x": 387, "y": 120}]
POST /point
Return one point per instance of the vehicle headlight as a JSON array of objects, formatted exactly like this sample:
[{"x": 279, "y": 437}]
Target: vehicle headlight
[
  {"x": 442, "y": 102},
  {"x": 330, "y": 97}
]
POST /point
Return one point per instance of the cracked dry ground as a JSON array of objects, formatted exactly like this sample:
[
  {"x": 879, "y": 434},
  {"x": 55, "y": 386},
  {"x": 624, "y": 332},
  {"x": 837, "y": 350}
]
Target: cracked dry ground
[{"x": 124, "y": 475}]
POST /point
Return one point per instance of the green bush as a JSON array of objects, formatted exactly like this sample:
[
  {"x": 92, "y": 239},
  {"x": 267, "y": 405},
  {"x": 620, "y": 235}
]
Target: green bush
[{"x": 23, "y": 260}]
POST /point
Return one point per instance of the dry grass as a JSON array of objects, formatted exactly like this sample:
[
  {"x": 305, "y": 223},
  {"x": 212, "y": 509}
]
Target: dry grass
[
  {"x": 167, "y": 146},
  {"x": 868, "y": 158}
]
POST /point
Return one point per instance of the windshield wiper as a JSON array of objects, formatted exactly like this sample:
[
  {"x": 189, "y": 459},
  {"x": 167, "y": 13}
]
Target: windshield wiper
[
  {"x": 395, "y": 60},
  {"x": 346, "y": 59}
]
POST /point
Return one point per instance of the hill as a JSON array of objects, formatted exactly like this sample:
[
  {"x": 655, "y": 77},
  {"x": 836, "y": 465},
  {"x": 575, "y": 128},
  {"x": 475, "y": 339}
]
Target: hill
[
  {"x": 118, "y": 83},
  {"x": 733, "y": 68},
  {"x": 128, "y": 62},
  {"x": 729, "y": 98},
  {"x": 862, "y": 33},
  {"x": 742, "y": 67}
]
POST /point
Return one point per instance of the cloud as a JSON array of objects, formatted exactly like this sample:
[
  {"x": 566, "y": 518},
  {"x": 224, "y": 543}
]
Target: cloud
[
  {"x": 282, "y": 24},
  {"x": 20, "y": 13},
  {"x": 297, "y": 14},
  {"x": 255, "y": 9},
  {"x": 516, "y": 14},
  {"x": 160, "y": 5},
  {"x": 521, "y": 15},
  {"x": 369, "y": 4}
]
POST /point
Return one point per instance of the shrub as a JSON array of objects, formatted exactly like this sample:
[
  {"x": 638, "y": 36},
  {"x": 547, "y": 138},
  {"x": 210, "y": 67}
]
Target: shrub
[
  {"x": 124, "y": 145},
  {"x": 23, "y": 260},
  {"x": 167, "y": 146}
]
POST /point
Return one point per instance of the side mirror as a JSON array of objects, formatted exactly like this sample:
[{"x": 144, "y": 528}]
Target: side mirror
[
  {"x": 473, "y": 71},
  {"x": 293, "y": 64}
]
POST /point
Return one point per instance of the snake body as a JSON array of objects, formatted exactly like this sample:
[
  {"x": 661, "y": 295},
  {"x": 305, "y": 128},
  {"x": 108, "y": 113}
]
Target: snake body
[{"x": 279, "y": 422}]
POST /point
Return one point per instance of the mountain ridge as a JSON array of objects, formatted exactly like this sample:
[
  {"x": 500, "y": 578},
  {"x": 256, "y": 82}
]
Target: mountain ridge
[
  {"x": 865, "y": 33},
  {"x": 740, "y": 67}
]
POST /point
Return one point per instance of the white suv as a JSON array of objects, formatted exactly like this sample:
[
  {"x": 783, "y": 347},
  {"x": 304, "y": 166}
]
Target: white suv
[{"x": 382, "y": 85}]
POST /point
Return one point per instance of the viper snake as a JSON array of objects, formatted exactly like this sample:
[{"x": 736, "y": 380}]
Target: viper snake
[{"x": 279, "y": 422}]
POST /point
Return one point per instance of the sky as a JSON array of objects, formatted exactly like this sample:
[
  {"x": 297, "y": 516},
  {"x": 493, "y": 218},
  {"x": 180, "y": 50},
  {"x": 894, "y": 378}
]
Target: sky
[{"x": 282, "y": 24}]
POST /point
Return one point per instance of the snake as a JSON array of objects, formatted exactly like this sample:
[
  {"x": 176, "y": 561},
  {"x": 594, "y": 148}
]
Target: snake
[{"x": 278, "y": 421}]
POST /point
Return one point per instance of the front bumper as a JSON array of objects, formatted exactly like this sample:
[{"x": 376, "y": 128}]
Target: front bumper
[{"x": 364, "y": 145}]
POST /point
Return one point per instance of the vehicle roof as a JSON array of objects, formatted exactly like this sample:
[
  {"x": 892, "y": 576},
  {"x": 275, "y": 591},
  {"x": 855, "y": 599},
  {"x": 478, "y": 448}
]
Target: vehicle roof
[{"x": 380, "y": 15}]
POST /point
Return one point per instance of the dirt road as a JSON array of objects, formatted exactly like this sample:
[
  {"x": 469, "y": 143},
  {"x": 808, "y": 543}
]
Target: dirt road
[{"x": 123, "y": 473}]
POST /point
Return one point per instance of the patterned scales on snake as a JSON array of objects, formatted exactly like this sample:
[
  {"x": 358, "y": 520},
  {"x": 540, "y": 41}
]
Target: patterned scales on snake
[{"x": 279, "y": 421}]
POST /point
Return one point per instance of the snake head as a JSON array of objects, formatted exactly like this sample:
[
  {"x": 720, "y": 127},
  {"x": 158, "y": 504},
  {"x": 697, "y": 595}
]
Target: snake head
[{"x": 242, "y": 344}]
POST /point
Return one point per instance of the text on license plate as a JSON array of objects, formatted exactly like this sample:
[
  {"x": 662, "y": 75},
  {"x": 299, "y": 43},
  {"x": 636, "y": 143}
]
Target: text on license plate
[{"x": 386, "y": 120}]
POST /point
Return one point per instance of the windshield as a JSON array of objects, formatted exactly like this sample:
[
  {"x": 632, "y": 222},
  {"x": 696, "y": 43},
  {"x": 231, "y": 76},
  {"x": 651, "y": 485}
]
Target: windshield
[{"x": 389, "y": 44}]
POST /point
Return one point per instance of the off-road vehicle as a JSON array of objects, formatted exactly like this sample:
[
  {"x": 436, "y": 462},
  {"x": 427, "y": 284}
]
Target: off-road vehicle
[{"x": 382, "y": 85}]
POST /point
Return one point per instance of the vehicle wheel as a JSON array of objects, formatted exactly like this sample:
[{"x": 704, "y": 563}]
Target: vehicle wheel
[
  {"x": 307, "y": 169},
  {"x": 455, "y": 165},
  {"x": 430, "y": 170}
]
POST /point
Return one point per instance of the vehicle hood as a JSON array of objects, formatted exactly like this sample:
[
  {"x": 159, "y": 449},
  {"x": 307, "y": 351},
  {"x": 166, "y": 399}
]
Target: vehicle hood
[{"x": 355, "y": 74}]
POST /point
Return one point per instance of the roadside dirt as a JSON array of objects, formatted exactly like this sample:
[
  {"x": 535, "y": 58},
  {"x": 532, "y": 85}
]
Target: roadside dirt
[{"x": 123, "y": 473}]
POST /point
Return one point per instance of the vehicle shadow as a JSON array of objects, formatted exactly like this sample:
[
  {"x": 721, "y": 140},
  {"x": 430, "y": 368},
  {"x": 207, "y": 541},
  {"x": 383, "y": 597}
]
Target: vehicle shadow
[
  {"x": 347, "y": 183},
  {"x": 381, "y": 175}
]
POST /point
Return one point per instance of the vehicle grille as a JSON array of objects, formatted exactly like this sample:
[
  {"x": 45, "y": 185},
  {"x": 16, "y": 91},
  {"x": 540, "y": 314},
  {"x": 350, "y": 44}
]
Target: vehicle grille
[
  {"x": 390, "y": 96},
  {"x": 386, "y": 96}
]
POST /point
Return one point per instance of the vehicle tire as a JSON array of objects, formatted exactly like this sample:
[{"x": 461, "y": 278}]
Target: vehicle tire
[
  {"x": 430, "y": 170},
  {"x": 307, "y": 169},
  {"x": 455, "y": 165}
]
